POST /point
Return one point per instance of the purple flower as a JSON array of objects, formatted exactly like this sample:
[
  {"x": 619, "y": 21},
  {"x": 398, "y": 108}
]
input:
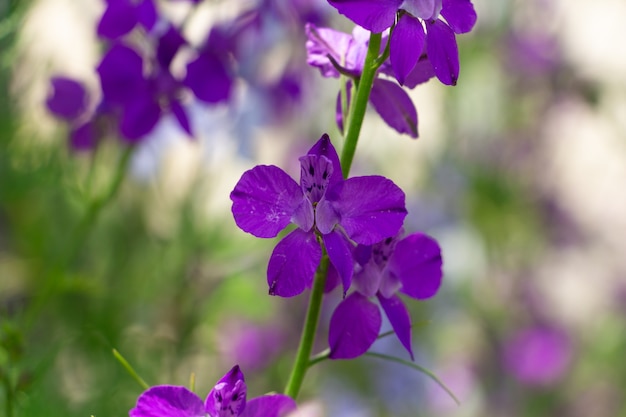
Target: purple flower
[
  {"x": 324, "y": 207},
  {"x": 332, "y": 51},
  {"x": 411, "y": 266},
  {"x": 538, "y": 355},
  {"x": 226, "y": 399},
  {"x": 408, "y": 38}
]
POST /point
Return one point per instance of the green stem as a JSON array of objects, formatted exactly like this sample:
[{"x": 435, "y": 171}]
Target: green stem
[
  {"x": 359, "y": 104},
  {"x": 131, "y": 371},
  {"x": 301, "y": 363}
]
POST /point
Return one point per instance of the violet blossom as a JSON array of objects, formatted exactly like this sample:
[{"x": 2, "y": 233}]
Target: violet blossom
[
  {"x": 226, "y": 399},
  {"x": 325, "y": 208},
  {"x": 335, "y": 52},
  {"x": 121, "y": 16},
  {"x": 411, "y": 266},
  {"x": 408, "y": 38}
]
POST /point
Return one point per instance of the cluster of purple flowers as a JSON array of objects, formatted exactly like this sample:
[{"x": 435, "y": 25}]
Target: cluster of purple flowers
[
  {"x": 358, "y": 222},
  {"x": 138, "y": 85}
]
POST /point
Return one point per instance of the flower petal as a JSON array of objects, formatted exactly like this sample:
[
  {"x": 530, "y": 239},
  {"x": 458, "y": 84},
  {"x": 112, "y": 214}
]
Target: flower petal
[
  {"x": 121, "y": 74},
  {"x": 119, "y": 18},
  {"x": 208, "y": 78},
  {"x": 399, "y": 318},
  {"x": 264, "y": 200},
  {"x": 422, "y": 72},
  {"x": 293, "y": 263},
  {"x": 373, "y": 15},
  {"x": 168, "y": 45},
  {"x": 354, "y": 327},
  {"x": 275, "y": 405},
  {"x": 322, "y": 43},
  {"x": 442, "y": 51},
  {"x": 371, "y": 208},
  {"x": 395, "y": 106},
  {"x": 228, "y": 397},
  {"x": 147, "y": 14},
  {"x": 324, "y": 147},
  {"x": 139, "y": 117},
  {"x": 367, "y": 279},
  {"x": 459, "y": 14},
  {"x": 340, "y": 253},
  {"x": 417, "y": 262},
  {"x": 83, "y": 137},
  {"x": 406, "y": 46},
  {"x": 339, "y": 108},
  {"x": 168, "y": 400},
  {"x": 424, "y": 9},
  {"x": 181, "y": 115},
  {"x": 68, "y": 98}
]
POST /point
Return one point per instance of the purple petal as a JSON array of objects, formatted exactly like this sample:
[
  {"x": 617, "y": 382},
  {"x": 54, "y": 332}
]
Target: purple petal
[
  {"x": 121, "y": 75},
  {"x": 340, "y": 253},
  {"x": 442, "y": 51},
  {"x": 68, "y": 98},
  {"x": 459, "y": 14},
  {"x": 422, "y": 72},
  {"x": 332, "y": 278},
  {"x": 354, "y": 327},
  {"x": 399, "y": 318},
  {"x": 169, "y": 43},
  {"x": 119, "y": 18},
  {"x": 373, "y": 15},
  {"x": 208, "y": 78},
  {"x": 315, "y": 172},
  {"x": 168, "y": 400},
  {"x": 275, "y": 405},
  {"x": 417, "y": 262},
  {"x": 264, "y": 200},
  {"x": 181, "y": 115},
  {"x": 228, "y": 397},
  {"x": 293, "y": 263},
  {"x": 395, "y": 106},
  {"x": 83, "y": 137},
  {"x": 139, "y": 117},
  {"x": 324, "y": 147},
  {"x": 370, "y": 208},
  {"x": 424, "y": 9},
  {"x": 406, "y": 46},
  {"x": 367, "y": 279},
  {"x": 322, "y": 42},
  {"x": 339, "y": 109},
  {"x": 147, "y": 14}
]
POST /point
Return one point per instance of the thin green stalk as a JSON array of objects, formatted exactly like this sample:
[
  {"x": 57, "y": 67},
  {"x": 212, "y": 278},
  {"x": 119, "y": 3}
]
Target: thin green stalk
[
  {"x": 301, "y": 363},
  {"x": 417, "y": 368},
  {"x": 131, "y": 371},
  {"x": 359, "y": 103}
]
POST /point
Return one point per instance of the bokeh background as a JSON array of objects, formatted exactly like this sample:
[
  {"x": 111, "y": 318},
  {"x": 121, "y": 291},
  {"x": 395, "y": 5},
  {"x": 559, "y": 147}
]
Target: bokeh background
[{"x": 519, "y": 172}]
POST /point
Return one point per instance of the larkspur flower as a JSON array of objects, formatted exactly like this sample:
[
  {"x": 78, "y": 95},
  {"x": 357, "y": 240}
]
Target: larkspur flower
[
  {"x": 332, "y": 51},
  {"x": 411, "y": 266},
  {"x": 324, "y": 207},
  {"x": 409, "y": 38},
  {"x": 226, "y": 399},
  {"x": 121, "y": 16}
]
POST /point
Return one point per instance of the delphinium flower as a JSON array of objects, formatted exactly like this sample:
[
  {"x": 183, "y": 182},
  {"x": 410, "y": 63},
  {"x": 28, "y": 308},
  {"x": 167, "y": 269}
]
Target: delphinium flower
[
  {"x": 411, "y": 266},
  {"x": 226, "y": 399},
  {"x": 418, "y": 26},
  {"x": 121, "y": 16},
  {"x": 325, "y": 208},
  {"x": 335, "y": 52}
]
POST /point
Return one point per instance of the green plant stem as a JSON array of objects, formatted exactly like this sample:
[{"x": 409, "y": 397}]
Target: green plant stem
[
  {"x": 131, "y": 371},
  {"x": 359, "y": 103},
  {"x": 301, "y": 363}
]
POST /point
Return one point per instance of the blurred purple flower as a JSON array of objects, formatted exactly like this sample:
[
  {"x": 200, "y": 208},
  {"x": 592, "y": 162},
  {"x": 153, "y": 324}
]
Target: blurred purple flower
[
  {"x": 538, "y": 355},
  {"x": 226, "y": 399},
  {"x": 121, "y": 16},
  {"x": 411, "y": 265},
  {"x": 336, "y": 52},
  {"x": 251, "y": 345},
  {"x": 324, "y": 207},
  {"x": 408, "y": 38}
]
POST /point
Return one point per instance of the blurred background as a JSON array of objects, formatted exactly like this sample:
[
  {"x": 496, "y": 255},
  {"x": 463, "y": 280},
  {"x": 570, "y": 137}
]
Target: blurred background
[{"x": 519, "y": 172}]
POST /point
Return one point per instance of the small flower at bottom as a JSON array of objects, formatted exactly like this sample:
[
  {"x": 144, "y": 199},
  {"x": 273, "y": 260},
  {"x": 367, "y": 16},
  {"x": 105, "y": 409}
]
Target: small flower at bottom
[
  {"x": 226, "y": 399},
  {"x": 324, "y": 207},
  {"x": 411, "y": 265}
]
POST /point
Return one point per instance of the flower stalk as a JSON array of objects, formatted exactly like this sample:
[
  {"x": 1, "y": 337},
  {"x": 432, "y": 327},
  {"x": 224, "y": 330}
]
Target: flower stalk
[{"x": 301, "y": 363}]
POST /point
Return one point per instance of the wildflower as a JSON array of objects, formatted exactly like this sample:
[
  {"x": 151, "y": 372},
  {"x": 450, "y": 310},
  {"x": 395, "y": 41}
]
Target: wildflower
[
  {"x": 226, "y": 399},
  {"x": 323, "y": 207},
  {"x": 411, "y": 266},
  {"x": 409, "y": 38},
  {"x": 121, "y": 16}
]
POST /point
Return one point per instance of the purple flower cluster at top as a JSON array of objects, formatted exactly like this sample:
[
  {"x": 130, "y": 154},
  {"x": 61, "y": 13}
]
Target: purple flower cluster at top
[
  {"x": 324, "y": 207},
  {"x": 418, "y": 26},
  {"x": 226, "y": 399}
]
